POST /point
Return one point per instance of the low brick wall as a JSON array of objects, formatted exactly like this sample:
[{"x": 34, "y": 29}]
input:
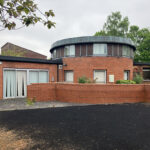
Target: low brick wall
[
  {"x": 42, "y": 91},
  {"x": 90, "y": 93}
]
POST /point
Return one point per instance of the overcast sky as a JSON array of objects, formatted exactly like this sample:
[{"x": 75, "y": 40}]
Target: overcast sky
[{"x": 75, "y": 18}]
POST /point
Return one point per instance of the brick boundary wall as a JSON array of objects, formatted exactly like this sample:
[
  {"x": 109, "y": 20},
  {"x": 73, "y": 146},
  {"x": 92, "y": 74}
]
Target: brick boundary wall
[{"x": 89, "y": 93}]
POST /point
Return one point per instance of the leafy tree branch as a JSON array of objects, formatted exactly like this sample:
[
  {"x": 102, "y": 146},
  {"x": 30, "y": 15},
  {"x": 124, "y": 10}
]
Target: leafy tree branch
[{"x": 24, "y": 12}]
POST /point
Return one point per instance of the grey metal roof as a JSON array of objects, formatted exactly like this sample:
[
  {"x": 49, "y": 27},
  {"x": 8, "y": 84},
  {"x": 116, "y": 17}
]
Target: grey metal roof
[
  {"x": 93, "y": 39},
  {"x": 30, "y": 60}
]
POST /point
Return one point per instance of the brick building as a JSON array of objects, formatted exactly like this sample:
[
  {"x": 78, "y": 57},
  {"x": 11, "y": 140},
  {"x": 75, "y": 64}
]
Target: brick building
[
  {"x": 10, "y": 49},
  {"x": 106, "y": 59}
]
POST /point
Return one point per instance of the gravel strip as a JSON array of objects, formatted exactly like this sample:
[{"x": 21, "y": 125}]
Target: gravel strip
[{"x": 21, "y": 104}]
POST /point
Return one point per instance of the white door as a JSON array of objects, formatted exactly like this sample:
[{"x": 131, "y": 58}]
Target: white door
[{"x": 21, "y": 84}]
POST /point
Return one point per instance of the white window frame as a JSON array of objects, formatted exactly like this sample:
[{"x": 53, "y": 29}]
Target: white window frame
[
  {"x": 126, "y": 51},
  {"x": 27, "y": 70},
  {"x": 128, "y": 74},
  {"x": 65, "y": 71},
  {"x": 101, "y": 70},
  {"x": 69, "y": 51},
  {"x": 97, "y": 47}
]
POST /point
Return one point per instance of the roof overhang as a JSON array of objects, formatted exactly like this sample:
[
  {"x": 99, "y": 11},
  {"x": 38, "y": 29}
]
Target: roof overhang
[
  {"x": 93, "y": 39},
  {"x": 30, "y": 60}
]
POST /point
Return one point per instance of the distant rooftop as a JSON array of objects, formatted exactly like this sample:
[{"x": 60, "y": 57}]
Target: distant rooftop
[{"x": 18, "y": 49}]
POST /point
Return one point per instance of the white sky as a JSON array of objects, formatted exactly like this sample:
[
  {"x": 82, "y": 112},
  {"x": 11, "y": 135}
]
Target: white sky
[{"x": 75, "y": 18}]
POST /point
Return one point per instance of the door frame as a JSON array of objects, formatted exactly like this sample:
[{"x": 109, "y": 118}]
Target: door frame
[{"x": 27, "y": 73}]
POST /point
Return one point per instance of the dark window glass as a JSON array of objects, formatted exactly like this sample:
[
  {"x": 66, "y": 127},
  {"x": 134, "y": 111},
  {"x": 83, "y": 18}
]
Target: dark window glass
[
  {"x": 89, "y": 49},
  {"x": 109, "y": 47},
  {"x": 115, "y": 49},
  {"x": 77, "y": 50},
  {"x": 58, "y": 53},
  {"x": 83, "y": 50},
  {"x": 146, "y": 73},
  {"x": 62, "y": 51},
  {"x": 120, "y": 50}
]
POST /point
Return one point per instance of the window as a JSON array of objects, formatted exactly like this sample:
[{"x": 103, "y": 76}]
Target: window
[
  {"x": 69, "y": 50},
  {"x": 99, "y": 49},
  {"x": 126, "y": 51},
  {"x": 146, "y": 74},
  {"x": 68, "y": 76},
  {"x": 100, "y": 76},
  {"x": 38, "y": 76},
  {"x": 54, "y": 54},
  {"x": 126, "y": 75}
]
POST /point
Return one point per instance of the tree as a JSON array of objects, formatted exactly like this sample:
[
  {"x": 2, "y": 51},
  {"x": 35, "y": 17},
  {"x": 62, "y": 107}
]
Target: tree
[
  {"x": 143, "y": 46},
  {"x": 115, "y": 25},
  {"x": 24, "y": 12}
]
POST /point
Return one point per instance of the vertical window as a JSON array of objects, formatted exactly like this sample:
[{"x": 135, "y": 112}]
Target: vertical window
[
  {"x": 54, "y": 54},
  {"x": 68, "y": 76},
  {"x": 100, "y": 76},
  {"x": 38, "y": 76},
  {"x": 131, "y": 53},
  {"x": 126, "y": 75},
  {"x": 146, "y": 74},
  {"x": 99, "y": 49},
  {"x": 126, "y": 51},
  {"x": 43, "y": 77},
  {"x": 33, "y": 77},
  {"x": 69, "y": 50}
]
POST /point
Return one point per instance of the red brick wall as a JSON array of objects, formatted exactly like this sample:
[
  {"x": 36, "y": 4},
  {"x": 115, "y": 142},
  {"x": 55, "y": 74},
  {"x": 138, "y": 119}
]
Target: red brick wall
[
  {"x": 90, "y": 93},
  {"x": 84, "y": 66},
  {"x": 42, "y": 91},
  {"x": 19, "y": 65}
]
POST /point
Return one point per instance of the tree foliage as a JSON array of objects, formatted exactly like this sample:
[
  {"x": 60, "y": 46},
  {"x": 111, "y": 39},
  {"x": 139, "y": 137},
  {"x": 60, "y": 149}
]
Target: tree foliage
[
  {"x": 24, "y": 12},
  {"x": 116, "y": 25}
]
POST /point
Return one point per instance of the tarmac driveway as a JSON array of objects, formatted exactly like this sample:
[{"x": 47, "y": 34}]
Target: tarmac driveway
[{"x": 95, "y": 127}]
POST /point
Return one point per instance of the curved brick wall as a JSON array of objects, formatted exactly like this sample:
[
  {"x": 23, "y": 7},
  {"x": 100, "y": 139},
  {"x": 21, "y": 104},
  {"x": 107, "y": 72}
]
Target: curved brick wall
[{"x": 84, "y": 66}]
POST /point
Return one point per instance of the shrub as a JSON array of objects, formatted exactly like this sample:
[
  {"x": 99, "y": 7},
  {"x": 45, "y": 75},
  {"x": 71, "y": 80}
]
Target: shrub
[
  {"x": 125, "y": 82},
  {"x": 84, "y": 79},
  {"x": 138, "y": 79},
  {"x": 30, "y": 101}
]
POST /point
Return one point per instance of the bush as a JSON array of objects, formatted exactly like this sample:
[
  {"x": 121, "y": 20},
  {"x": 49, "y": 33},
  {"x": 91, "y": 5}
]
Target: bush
[
  {"x": 138, "y": 79},
  {"x": 84, "y": 79},
  {"x": 125, "y": 82},
  {"x": 30, "y": 101}
]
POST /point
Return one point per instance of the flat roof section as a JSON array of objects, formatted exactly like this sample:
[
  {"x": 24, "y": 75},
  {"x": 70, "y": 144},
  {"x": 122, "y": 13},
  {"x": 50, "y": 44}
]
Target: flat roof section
[
  {"x": 93, "y": 39},
  {"x": 30, "y": 60}
]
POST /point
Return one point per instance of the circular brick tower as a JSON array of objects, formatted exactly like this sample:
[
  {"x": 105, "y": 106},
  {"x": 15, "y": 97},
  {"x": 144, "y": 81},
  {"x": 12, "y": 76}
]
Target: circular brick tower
[{"x": 104, "y": 59}]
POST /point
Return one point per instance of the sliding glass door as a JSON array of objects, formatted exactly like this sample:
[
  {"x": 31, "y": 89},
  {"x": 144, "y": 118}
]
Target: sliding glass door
[
  {"x": 15, "y": 81},
  {"x": 9, "y": 84}
]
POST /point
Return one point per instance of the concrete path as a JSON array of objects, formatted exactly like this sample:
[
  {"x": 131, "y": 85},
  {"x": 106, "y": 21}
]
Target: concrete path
[{"x": 21, "y": 104}]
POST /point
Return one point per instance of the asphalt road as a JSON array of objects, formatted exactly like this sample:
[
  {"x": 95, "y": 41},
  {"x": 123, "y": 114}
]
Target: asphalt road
[{"x": 97, "y": 127}]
